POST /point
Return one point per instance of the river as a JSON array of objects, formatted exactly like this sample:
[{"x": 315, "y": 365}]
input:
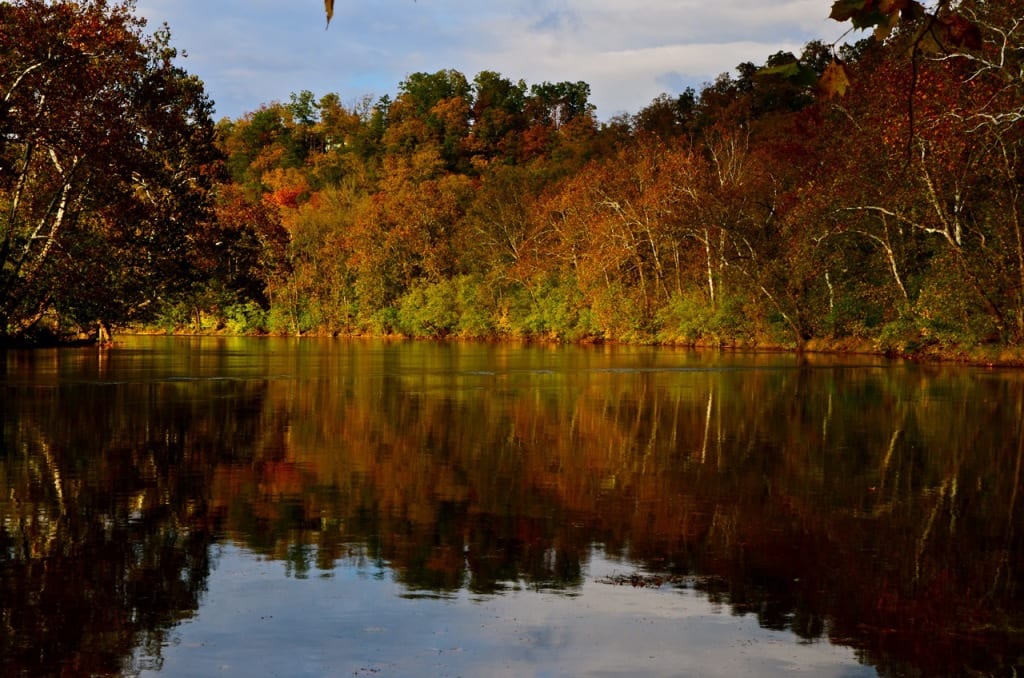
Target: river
[{"x": 304, "y": 507}]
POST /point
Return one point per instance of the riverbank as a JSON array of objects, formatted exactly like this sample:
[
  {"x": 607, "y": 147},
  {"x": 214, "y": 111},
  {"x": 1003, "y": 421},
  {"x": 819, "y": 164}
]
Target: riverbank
[
  {"x": 986, "y": 356},
  {"x": 933, "y": 352}
]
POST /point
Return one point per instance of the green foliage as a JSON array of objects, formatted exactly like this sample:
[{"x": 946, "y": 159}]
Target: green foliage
[
  {"x": 793, "y": 71},
  {"x": 686, "y": 318},
  {"x": 689, "y": 318},
  {"x": 234, "y": 317},
  {"x": 617, "y": 313},
  {"x": 245, "y": 318},
  {"x": 289, "y": 314},
  {"x": 175, "y": 317},
  {"x": 902, "y": 335},
  {"x": 458, "y": 307},
  {"x": 384, "y": 321},
  {"x": 552, "y": 308},
  {"x": 853, "y": 316},
  {"x": 952, "y": 315},
  {"x": 429, "y": 311},
  {"x": 478, "y": 307},
  {"x": 733, "y": 320}
]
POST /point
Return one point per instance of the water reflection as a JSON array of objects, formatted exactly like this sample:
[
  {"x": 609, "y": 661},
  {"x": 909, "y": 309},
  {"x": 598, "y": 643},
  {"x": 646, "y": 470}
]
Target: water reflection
[
  {"x": 870, "y": 504},
  {"x": 365, "y": 626}
]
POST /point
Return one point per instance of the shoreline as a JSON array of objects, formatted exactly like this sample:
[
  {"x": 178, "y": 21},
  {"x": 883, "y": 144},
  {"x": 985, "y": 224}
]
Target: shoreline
[{"x": 994, "y": 356}]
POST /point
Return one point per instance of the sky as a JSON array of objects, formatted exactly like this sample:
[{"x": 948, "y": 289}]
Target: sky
[{"x": 254, "y": 52}]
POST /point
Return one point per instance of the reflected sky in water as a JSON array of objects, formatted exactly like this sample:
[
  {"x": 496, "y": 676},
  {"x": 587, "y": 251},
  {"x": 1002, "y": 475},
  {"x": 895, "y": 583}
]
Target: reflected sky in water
[{"x": 257, "y": 619}]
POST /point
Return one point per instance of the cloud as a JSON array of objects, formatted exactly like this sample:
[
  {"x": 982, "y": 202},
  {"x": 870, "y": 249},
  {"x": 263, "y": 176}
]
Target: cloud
[{"x": 256, "y": 51}]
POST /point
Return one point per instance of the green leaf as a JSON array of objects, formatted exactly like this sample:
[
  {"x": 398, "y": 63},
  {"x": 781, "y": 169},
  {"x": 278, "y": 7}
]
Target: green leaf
[
  {"x": 785, "y": 70},
  {"x": 796, "y": 72}
]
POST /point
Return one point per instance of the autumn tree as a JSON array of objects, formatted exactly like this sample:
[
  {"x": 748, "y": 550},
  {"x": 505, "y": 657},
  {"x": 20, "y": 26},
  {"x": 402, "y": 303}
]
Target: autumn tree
[
  {"x": 619, "y": 229},
  {"x": 431, "y": 109},
  {"x": 271, "y": 138},
  {"x": 405, "y": 234},
  {"x": 666, "y": 116},
  {"x": 942, "y": 115},
  {"x": 240, "y": 254},
  {"x": 106, "y": 149},
  {"x": 498, "y": 117}
]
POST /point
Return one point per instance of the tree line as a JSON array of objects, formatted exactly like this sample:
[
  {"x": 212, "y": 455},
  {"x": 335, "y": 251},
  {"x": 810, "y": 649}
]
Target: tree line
[{"x": 867, "y": 194}]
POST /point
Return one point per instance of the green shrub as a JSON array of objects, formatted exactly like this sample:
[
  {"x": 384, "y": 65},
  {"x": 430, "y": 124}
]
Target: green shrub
[
  {"x": 686, "y": 318},
  {"x": 689, "y": 318},
  {"x": 617, "y": 313},
  {"x": 429, "y": 311},
  {"x": 290, "y": 319},
  {"x": 245, "y": 318},
  {"x": 175, "y": 317},
  {"x": 478, "y": 307},
  {"x": 952, "y": 315},
  {"x": 901, "y": 336},
  {"x": 383, "y": 321},
  {"x": 553, "y": 308}
]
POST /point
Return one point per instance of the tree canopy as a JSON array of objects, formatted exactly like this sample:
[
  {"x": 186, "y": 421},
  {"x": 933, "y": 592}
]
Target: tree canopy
[
  {"x": 758, "y": 208},
  {"x": 110, "y": 170},
  {"x": 107, "y": 150}
]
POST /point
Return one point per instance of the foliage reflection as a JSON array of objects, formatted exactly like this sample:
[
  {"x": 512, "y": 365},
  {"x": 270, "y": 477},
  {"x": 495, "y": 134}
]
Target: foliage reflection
[{"x": 869, "y": 503}]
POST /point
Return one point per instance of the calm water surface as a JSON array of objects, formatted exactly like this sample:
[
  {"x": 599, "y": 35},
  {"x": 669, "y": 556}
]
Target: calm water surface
[{"x": 329, "y": 508}]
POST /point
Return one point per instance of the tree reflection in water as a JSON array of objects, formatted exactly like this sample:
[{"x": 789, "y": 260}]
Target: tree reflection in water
[{"x": 872, "y": 504}]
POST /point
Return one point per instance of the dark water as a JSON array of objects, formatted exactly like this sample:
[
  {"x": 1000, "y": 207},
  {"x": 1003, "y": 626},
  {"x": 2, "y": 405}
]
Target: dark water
[{"x": 284, "y": 507}]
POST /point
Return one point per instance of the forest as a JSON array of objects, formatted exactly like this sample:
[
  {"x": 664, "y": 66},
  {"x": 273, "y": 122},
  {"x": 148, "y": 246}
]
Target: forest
[{"x": 865, "y": 195}]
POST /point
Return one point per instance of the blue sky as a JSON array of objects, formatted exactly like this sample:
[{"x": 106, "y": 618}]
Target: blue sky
[{"x": 251, "y": 52}]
